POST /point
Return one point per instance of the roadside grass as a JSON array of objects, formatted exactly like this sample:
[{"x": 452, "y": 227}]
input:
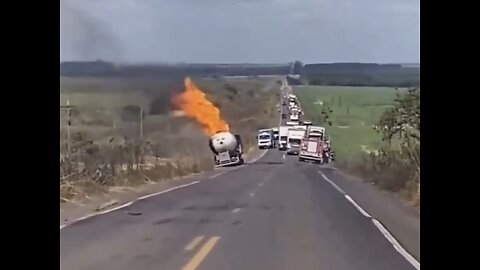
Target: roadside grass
[
  {"x": 107, "y": 150},
  {"x": 355, "y": 111},
  {"x": 360, "y": 149}
]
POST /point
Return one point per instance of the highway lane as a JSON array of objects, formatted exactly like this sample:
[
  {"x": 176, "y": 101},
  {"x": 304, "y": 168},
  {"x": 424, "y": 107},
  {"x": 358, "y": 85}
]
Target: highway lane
[{"x": 273, "y": 214}]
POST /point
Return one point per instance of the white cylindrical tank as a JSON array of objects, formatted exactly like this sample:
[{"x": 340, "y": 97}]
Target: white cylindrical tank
[{"x": 223, "y": 141}]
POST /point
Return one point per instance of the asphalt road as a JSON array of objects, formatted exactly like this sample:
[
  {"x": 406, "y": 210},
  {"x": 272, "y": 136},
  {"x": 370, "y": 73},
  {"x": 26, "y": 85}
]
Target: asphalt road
[{"x": 274, "y": 214}]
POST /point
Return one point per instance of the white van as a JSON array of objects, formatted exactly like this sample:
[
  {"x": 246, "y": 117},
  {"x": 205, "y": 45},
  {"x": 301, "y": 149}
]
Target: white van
[{"x": 265, "y": 140}]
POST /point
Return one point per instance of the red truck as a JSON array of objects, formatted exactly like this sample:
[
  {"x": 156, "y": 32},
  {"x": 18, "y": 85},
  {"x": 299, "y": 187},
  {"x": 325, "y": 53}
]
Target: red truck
[{"x": 311, "y": 149}]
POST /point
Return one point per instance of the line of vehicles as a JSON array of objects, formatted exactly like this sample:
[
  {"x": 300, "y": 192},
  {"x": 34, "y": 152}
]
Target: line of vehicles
[
  {"x": 301, "y": 138},
  {"x": 296, "y": 137}
]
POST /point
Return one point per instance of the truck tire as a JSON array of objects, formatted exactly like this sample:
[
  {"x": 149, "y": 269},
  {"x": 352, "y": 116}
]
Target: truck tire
[
  {"x": 301, "y": 159},
  {"x": 324, "y": 159},
  {"x": 241, "y": 161}
]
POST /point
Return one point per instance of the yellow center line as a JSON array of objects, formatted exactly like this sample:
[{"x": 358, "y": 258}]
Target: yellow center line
[
  {"x": 201, "y": 254},
  {"x": 194, "y": 242}
]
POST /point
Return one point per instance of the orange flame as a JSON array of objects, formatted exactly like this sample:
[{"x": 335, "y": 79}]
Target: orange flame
[{"x": 194, "y": 104}]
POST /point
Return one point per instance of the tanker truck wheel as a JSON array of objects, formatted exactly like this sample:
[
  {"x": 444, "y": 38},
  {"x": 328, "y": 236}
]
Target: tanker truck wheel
[
  {"x": 324, "y": 159},
  {"x": 241, "y": 161}
]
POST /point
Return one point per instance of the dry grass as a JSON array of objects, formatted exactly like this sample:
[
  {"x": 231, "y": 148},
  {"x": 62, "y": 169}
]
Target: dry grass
[
  {"x": 106, "y": 151},
  {"x": 390, "y": 170}
]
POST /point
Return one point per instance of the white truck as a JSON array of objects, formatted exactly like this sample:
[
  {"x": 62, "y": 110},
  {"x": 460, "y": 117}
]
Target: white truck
[
  {"x": 294, "y": 138},
  {"x": 316, "y": 131},
  {"x": 265, "y": 139},
  {"x": 283, "y": 138},
  {"x": 275, "y": 131},
  {"x": 227, "y": 149}
]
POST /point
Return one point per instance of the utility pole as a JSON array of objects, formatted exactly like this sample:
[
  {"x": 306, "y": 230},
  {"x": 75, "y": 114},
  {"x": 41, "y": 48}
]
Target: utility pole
[{"x": 68, "y": 107}]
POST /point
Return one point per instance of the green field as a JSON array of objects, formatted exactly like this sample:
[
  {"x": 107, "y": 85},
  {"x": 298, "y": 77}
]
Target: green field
[{"x": 355, "y": 111}]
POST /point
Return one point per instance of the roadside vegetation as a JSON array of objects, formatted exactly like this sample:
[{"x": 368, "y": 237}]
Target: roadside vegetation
[
  {"x": 375, "y": 132},
  {"x": 122, "y": 131},
  {"x": 352, "y": 111}
]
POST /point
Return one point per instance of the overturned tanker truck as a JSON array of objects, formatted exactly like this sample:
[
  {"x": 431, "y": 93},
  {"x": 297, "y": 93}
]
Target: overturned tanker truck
[{"x": 227, "y": 149}]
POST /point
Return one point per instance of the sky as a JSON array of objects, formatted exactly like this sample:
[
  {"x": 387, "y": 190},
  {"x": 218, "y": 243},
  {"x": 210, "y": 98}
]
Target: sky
[{"x": 240, "y": 31}]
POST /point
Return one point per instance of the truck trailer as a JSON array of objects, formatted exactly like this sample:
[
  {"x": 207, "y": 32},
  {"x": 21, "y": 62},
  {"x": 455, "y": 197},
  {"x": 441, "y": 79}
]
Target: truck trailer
[
  {"x": 283, "y": 138},
  {"x": 227, "y": 149}
]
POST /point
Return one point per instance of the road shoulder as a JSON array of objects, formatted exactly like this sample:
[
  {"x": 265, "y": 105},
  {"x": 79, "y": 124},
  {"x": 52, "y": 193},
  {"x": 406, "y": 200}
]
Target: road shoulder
[
  {"x": 402, "y": 221},
  {"x": 117, "y": 196}
]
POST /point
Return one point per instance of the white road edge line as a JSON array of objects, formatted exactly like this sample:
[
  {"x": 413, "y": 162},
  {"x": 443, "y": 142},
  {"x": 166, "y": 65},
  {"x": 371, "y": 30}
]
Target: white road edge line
[
  {"x": 332, "y": 183},
  {"x": 154, "y": 194},
  {"x": 235, "y": 210},
  {"x": 379, "y": 225},
  {"x": 127, "y": 204},
  {"x": 360, "y": 209},
  {"x": 259, "y": 157},
  {"x": 251, "y": 194},
  {"x": 216, "y": 175},
  {"x": 396, "y": 245},
  {"x": 168, "y": 190},
  {"x": 194, "y": 243}
]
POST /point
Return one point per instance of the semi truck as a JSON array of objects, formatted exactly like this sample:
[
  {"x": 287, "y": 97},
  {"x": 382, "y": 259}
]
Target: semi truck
[
  {"x": 275, "y": 131},
  {"x": 313, "y": 145},
  {"x": 294, "y": 139},
  {"x": 227, "y": 149},
  {"x": 283, "y": 138}
]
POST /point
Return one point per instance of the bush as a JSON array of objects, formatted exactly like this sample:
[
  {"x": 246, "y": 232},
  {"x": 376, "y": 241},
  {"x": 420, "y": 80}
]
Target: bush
[{"x": 397, "y": 165}]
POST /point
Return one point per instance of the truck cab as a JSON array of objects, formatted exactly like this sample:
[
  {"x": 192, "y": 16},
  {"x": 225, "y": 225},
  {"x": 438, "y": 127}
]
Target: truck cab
[
  {"x": 283, "y": 143},
  {"x": 293, "y": 146},
  {"x": 295, "y": 136},
  {"x": 294, "y": 117},
  {"x": 275, "y": 131},
  {"x": 313, "y": 146},
  {"x": 283, "y": 138},
  {"x": 311, "y": 149},
  {"x": 265, "y": 140}
]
